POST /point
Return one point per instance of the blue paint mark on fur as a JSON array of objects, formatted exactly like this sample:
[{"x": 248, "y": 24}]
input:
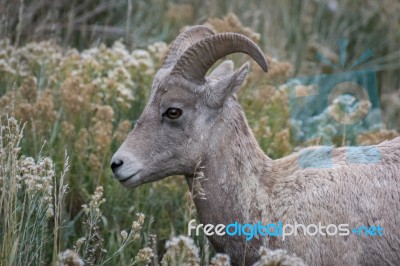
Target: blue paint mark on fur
[
  {"x": 365, "y": 155},
  {"x": 316, "y": 158}
]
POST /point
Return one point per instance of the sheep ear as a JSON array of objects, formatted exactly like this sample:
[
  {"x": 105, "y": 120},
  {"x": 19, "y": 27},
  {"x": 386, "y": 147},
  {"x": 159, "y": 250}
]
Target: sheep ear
[
  {"x": 225, "y": 68},
  {"x": 222, "y": 89}
]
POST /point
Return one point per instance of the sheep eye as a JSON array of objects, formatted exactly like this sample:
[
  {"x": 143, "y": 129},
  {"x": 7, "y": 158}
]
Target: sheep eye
[{"x": 173, "y": 113}]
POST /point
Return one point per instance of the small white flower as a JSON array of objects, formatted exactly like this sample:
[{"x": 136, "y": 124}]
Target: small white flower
[{"x": 124, "y": 235}]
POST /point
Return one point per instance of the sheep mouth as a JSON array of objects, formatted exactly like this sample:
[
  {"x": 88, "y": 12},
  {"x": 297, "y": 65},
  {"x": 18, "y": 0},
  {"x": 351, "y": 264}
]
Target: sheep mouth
[{"x": 128, "y": 178}]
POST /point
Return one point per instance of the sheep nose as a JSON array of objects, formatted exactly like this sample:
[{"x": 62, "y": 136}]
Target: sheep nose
[{"x": 115, "y": 164}]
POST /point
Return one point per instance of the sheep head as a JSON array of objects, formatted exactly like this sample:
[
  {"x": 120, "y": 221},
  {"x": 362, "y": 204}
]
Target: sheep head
[{"x": 184, "y": 108}]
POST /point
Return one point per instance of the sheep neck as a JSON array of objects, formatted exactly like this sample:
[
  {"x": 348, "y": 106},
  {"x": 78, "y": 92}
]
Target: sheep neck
[{"x": 226, "y": 187}]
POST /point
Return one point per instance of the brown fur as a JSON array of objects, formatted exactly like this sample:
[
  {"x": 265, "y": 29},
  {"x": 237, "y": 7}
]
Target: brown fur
[{"x": 242, "y": 184}]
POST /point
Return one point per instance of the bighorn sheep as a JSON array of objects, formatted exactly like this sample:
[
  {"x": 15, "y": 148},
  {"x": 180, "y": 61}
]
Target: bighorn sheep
[{"x": 193, "y": 121}]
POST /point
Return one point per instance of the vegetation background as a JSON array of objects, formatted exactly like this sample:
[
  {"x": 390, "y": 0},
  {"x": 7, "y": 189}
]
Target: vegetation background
[{"x": 75, "y": 75}]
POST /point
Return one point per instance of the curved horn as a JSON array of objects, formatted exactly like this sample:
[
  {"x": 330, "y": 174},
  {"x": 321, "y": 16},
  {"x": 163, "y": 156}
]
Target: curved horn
[
  {"x": 200, "y": 57},
  {"x": 183, "y": 42}
]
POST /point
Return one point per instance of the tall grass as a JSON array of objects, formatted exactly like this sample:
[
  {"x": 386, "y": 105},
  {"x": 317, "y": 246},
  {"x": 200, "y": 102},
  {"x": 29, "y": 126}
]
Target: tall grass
[
  {"x": 290, "y": 30},
  {"x": 33, "y": 215},
  {"x": 29, "y": 190}
]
